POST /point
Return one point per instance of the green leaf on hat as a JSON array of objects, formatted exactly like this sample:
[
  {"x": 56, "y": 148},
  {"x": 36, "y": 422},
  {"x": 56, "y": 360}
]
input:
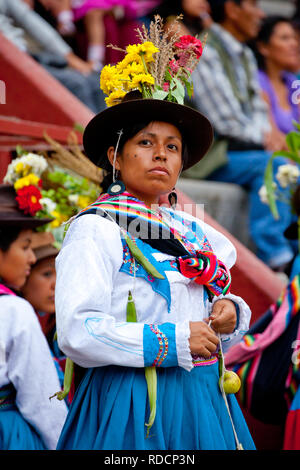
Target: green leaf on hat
[
  {"x": 160, "y": 94},
  {"x": 178, "y": 91}
]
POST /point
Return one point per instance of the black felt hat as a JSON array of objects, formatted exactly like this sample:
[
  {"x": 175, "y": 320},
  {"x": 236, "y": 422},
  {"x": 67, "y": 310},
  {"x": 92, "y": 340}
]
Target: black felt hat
[
  {"x": 11, "y": 215},
  {"x": 102, "y": 131}
]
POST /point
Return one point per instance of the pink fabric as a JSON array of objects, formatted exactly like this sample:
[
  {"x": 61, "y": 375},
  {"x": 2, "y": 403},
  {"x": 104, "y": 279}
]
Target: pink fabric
[
  {"x": 242, "y": 352},
  {"x": 5, "y": 290},
  {"x": 80, "y": 8},
  {"x": 119, "y": 33}
]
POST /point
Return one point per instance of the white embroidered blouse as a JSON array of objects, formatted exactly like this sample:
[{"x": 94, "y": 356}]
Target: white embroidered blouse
[
  {"x": 27, "y": 364},
  {"x": 92, "y": 293}
]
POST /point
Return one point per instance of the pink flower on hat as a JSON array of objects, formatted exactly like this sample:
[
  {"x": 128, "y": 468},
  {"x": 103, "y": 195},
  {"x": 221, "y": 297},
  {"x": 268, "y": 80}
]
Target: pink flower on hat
[{"x": 188, "y": 42}]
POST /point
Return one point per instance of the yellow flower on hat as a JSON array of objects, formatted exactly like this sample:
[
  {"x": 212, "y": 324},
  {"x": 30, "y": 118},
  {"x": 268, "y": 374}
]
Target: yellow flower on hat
[
  {"x": 115, "y": 97},
  {"x": 28, "y": 180},
  {"x": 129, "y": 74},
  {"x": 145, "y": 78},
  {"x": 146, "y": 49},
  {"x": 129, "y": 59},
  {"x": 133, "y": 68},
  {"x": 109, "y": 79}
]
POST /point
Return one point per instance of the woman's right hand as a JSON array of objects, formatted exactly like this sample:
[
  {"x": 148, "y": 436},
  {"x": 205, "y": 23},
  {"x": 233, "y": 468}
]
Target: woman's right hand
[{"x": 203, "y": 340}]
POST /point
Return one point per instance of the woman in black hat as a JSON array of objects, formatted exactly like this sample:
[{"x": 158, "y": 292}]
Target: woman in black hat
[
  {"x": 28, "y": 420},
  {"x": 142, "y": 291}
]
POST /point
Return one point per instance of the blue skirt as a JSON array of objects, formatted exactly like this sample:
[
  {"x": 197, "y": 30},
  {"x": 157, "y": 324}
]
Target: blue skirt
[
  {"x": 15, "y": 432},
  {"x": 110, "y": 409}
]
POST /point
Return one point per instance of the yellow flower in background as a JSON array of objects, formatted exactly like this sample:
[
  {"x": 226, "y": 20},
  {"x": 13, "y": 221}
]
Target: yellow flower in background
[
  {"x": 26, "y": 170},
  {"x": 83, "y": 201},
  {"x": 22, "y": 169},
  {"x": 146, "y": 49},
  {"x": 19, "y": 167},
  {"x": 115, "y": 97},
  {"x": 58, "y": 219},
  {"x": 26, "y": 181}
]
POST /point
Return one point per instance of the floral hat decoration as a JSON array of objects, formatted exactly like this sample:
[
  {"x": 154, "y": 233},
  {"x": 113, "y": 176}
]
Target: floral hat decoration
[
  {"x": 47, "y": 189},
  {"x": 151, "y": 83}
]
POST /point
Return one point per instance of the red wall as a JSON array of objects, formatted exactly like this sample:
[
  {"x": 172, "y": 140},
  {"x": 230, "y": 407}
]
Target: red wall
[{"x": 33, "y": 94}]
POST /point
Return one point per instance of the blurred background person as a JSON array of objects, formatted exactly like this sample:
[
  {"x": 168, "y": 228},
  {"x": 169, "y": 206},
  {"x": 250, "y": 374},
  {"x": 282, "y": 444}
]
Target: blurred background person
[
  {"x": 39, "y": 288},
  {"x": 196, "y": 14},
  {"x": 21, "y": 25},
  {"x": 39, "y": 291},
  {"x": 226, "y": 89},
  {"x": 91, "y": 12},
  {"x": 28, "y": 377},
  {"x": 88, "y": 26},
  {"x": 277, "y": 53}
]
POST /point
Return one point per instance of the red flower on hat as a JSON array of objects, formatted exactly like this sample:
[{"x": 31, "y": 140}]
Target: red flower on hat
[
  {"x": 191, "y": 43},
  {"x": 28, "y": 199}
]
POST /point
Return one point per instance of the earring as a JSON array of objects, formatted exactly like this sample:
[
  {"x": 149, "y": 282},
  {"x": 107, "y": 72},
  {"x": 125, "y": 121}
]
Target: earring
[
  {"x": 172, "y": 198},
  {"x": 117, "y": 187}
]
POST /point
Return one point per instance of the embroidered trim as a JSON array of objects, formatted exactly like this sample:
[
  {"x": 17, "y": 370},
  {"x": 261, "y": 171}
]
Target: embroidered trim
[
  {"x": 163, "y": 345},
  {"x": 201, "y": 361}
]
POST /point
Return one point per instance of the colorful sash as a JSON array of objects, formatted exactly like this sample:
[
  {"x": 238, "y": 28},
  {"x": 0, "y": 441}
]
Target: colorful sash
[
  {"x": 267, "y": 359},
  {"x": 207, "y": 270},
  {"x": 201, "y": 266}
]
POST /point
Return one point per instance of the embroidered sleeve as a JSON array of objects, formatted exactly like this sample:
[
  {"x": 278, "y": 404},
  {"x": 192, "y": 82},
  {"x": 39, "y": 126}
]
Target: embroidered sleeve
[
  {"x": 160, "y": 345},
  {"x": 91, "y": 305}
]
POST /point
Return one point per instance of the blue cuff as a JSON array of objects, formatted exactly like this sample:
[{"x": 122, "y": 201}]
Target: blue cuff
[
  {"x": 160, "y": 345},
  {"x": 237, "y": 308}
]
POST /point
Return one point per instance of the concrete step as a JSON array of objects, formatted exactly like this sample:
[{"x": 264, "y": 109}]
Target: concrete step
[{"x": 278, "y": 7}]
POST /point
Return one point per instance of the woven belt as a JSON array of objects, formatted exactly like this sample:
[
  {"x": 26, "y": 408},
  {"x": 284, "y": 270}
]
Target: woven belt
[
  {"x": 7, "y": 397},
  {"x": 201, "y": 361}
]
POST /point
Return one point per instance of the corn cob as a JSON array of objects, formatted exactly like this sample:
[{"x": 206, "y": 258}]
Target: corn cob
[
  {"x": 151, "y": 378},
  {"x": 68, "y": 375},
  {"x": 150, "y": 372},
  {"x": 139, "y": 256}
]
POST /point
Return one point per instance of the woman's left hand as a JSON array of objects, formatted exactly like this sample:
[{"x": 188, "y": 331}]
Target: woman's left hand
[{"x": 223, "y": 316}]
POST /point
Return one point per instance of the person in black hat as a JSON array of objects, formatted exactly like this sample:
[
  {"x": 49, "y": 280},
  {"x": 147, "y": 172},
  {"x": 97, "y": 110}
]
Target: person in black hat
[
  {"x": 28, "y": 421},
  {"x": 142, "y": 291}
]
